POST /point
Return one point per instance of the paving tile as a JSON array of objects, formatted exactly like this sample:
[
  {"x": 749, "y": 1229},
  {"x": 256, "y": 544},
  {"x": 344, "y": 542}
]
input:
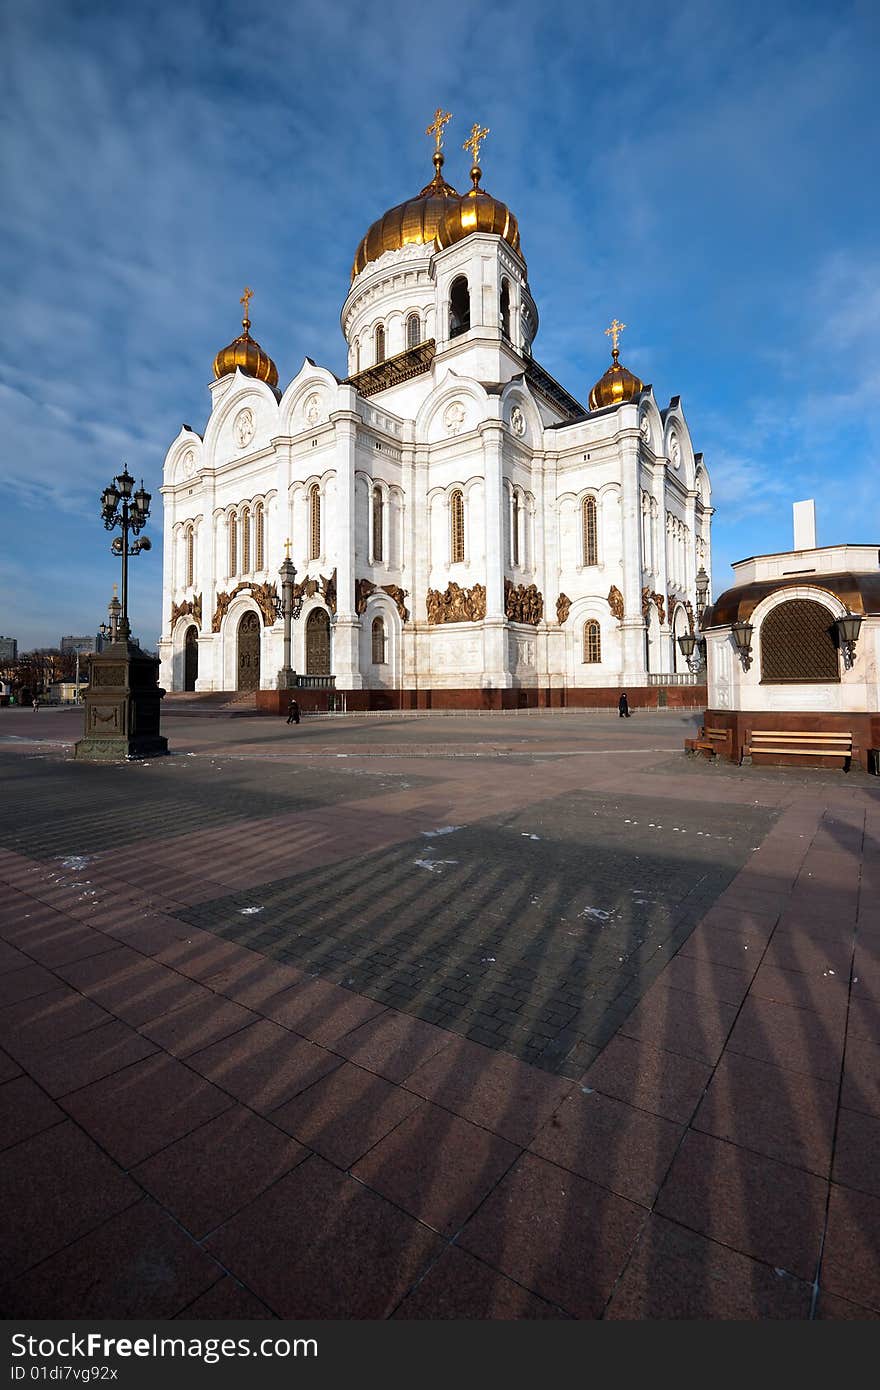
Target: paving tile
[
  {"x": 863, "y": 1019},
  {"x": 345, "y": 1113},
  {"x": 861, "y": 1075},
  {"x": 25, "y": 1109},
  {"x": 253, "y": 981},
  {"x": 264, "y": 1065},
  {"x": 76, "y": 1062},
  {"x": 829, "y": 1306},
  {"x": 150, "y": 932},
  {"x": 50, "y": 1018},
  {"x": 136, "y": 1112},
  {"x": 784, "y": 1114},
  {"x": 820, "y": 993},
  {"x": 738, "y": 949},
  {"x": 459, "y": 1286},
  {"x": 8, "y": 1067},
  {"x": 202, "y": 955},
  {"x": 649, "y": 1078},
  {"x": 11, "y": 958},
  {"x": 393, "y": 1044},
  {"x": 558, "y": 1235},
  {"x": 57, "y": 1186},
  {"x": 226, "y": 1300},
  {"x": 320, "y": 1011},
  {"x": 789, "y": 1037},
  {"x": 811, "y": 955},
  {"x": 690, "y": 1025},
  {"x": 25, "y": 983},
  {"x": 437, "y": 1166},
  {"x": 320, "y": 1244},
  {"x": 707, "y": 977},
  {"x": 609, "y": 1143},
  {"x": 142, "y": 991},
  {"x": 762, "y": 1208},
  {"x": 856, "y": 1151},
  {"x": 66, "y": 941},
  {"x": 490, "y": 1089},
  {"x": 851, "y": 1253},
  {"x": 215, "y": 1170},
  {"x": 195, "y": 1026},
  {"x": 138, "y": 1264},
  {"x": 678, "y": 1273}
]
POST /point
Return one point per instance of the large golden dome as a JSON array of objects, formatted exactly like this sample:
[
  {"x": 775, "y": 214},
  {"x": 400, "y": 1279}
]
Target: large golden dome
[
  {"x": 618, "y": 384},
  {"x": 246, "y": 354},
  {"x": 477, "y": 211},
  {"x": 413, "y": 223}
]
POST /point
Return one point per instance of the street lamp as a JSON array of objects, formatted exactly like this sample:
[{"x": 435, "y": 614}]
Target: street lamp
[
  {"x": 848, "y": 628},
  {"x": 741, "y": 632},
  {"x": 119, "y": 507},
  {"x": 289, "y": 608},
  {"x": 702, "y": 587}
]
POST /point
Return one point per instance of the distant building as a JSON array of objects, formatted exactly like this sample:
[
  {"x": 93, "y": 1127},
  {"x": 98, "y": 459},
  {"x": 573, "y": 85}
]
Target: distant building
[
  {"x": 8, "y": 649},
  {"x": 79, "y": 644}
]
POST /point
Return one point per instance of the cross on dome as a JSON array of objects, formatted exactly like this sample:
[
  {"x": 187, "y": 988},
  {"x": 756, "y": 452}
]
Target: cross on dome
[
  {"x": 246, "y": 301},
  {"x": 473, "y": 143},
  {"x": 441, "y": 119},
  {"x": 614, "y": 333}
]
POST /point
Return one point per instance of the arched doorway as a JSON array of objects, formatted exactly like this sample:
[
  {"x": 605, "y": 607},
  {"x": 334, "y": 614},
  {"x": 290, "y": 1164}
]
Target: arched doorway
[
  {"x": 318, "y": 643},
  {"x": 249, "y": 652},
  {"x": 190, "y": 658}
]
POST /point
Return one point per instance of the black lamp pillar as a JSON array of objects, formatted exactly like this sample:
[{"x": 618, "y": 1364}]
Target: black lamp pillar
[
  {"x": 288, "y": 608},
  {"x": 123, "y": 699}
]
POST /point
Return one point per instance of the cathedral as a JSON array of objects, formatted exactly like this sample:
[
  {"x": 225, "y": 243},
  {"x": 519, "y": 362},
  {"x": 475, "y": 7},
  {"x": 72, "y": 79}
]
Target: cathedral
[{"x": 463, "y": 530}]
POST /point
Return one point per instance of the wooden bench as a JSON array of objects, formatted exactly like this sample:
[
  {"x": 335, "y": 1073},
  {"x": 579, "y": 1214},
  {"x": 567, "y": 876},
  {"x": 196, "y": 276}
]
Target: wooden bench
[
  {"x": 712, "y": 742},
  {"x": 798, "y": 744}
]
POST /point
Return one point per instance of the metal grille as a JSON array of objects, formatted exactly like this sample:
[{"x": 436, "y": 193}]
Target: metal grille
[{"x": 797, "y": 644}]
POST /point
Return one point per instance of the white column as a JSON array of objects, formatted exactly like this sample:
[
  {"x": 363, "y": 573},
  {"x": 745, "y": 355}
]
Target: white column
[
  {"x": 346, "y": 629},
  {"x": 633, "y": 625},
  {"x": 495, "y": 657}
]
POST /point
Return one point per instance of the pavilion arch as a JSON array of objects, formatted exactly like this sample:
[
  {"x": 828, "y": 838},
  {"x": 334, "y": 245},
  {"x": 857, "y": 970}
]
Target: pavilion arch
[
  {"x": 429, "y": 425},
  {"x": 179, "y": 633},
  {"x": 243, "y": 391},
  {"x": 800, "y": 593},
  {"x": 585, "y": 611},
  {"x": 385, "y": 674},
  {"x": 229, "y": 633},
  {"x": 310, "y": 380}
]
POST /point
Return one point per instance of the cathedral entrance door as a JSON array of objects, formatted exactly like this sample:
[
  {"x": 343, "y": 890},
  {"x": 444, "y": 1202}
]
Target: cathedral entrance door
[
  {"x": 249, "y": 652},
  {"x": 318, "y": 643},
  {"x": 190, "y": 658}
]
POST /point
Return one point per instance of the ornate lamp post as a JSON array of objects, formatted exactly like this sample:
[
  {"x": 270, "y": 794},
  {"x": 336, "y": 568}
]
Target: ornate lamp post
[
  {"x": 741, "y": 633},
  {"x": 848, "y": 628},
  {"x": 122, "y": 701},
  {"x": 289, "y": 608}
]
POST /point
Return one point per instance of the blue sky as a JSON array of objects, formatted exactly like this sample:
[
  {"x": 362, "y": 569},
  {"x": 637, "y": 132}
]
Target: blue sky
[{"x": 703, "y": 171}]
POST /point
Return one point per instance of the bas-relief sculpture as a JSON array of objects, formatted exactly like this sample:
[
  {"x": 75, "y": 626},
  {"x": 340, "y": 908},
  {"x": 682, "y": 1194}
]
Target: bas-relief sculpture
[
  {"x": 186, "y": 609},
  {"x": 563, "y": 608},
  {"x": 456, "y": 605},
  {"x": 264, "y": 596},
  {"x": 523, "y": 603},
  {"x": 615, "y": 603},
  {"x": 365, "y": 587}
]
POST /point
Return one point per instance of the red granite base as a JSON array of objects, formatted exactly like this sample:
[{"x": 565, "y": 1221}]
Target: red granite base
[
  {"x": 522, "y": 697},
  {"x": 865, "y": 729}
]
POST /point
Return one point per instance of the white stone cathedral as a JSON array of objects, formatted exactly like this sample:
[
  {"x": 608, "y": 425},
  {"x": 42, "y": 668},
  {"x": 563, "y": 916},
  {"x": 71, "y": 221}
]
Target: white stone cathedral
[{"x": 458, "y": 521}]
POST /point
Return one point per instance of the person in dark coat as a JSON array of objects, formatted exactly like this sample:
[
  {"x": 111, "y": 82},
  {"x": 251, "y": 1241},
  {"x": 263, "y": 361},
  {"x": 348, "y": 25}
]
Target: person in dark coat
[
  {"x": 293, "y": 711},
  {"x": 623, "y": 707}
]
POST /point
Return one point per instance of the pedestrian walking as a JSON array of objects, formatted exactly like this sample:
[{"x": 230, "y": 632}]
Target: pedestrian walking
[
  {"x": 36, "y": 704},
  {"x": 293, "y": 711},
  {"x": 623, "y": 706}
]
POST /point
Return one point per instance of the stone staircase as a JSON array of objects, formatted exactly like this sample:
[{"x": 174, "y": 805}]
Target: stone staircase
[{"x": 210, "y": 702}]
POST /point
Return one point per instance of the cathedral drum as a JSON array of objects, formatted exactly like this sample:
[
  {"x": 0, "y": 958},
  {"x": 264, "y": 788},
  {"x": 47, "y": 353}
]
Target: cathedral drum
[{"x": 249, "y": 652}]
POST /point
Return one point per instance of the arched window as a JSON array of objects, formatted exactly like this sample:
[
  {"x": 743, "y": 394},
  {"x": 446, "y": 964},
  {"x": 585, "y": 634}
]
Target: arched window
[
  {"x": 356, "y": 359},
  {"x": 379, "y": 340},
  {"x": 505, "y": 308},
  {"x": 378, "y": 510},
  {"x": 190, "y": 554},
  {"x": 413, "y": 331},
  {"x": 246, "y": 541},
  {"x": 456, "y": 523},
  {"x": 259, "y": 537},
  {"x": 233, "y": 545},
  {"x": 591, "y": 548},
  {"x": 592, "y": 642},
  {"x": 314, "y": 522},
  {"x": 378, "y": 632},
  {"x": 459, "y": 307},
  {"x": 514, "y": 529},
  {"x": 797, "y": 644}
]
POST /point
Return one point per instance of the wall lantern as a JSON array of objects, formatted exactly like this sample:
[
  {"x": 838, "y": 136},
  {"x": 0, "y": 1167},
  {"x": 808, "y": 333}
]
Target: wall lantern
[
  {"x": 742, "y": 638},
  {"x": 702, "y": 587},
  {"x": 847, "y": 635}
]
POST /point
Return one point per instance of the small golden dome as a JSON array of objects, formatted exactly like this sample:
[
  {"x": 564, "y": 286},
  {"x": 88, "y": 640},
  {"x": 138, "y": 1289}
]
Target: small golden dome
[
  {"x": 477, "y": 211},
  {"x": 246, "y": 354},
  {"x": 413, "y": 223},
  {"x": 618, "y": 384}
]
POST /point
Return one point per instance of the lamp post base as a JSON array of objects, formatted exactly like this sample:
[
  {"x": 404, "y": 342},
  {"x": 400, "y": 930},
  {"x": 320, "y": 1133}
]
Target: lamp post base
[
  {"x": 122, "y": 706},
  {"x": 286, "y": 678}
]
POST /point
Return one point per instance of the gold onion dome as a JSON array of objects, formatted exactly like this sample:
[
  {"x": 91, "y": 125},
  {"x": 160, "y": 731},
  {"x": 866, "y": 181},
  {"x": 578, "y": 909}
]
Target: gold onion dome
[
  {"x": 246, "y": 354},
  {"x": 618, "y": 384},
  {"x": 477, "y": 210},
  {"x": 413, "y": 223}
]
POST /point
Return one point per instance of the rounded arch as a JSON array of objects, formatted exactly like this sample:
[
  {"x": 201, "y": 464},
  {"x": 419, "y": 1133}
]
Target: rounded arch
[
  {"x": 459, "y": 306},
  {"x": 797, "y": 643},
  {"x": 316, "y": 629},
  {"x": 429, "y": 425},
  {"x": 413, "y": 329},
  {"x": 382, "y": 610},
  {"x": 242, "y": 391}
]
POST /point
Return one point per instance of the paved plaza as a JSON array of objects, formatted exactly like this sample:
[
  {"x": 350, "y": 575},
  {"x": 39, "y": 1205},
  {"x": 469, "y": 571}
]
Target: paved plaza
[{"x": 496, "y": 1016}]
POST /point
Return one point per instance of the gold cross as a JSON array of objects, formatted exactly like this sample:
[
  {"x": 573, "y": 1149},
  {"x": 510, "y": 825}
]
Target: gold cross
[
  {"x": 246, "y": 301},
  {"x": 614, "y": 333},
  {"x": 477, "y": 137},
  {"x": 287, "y": 545},
  {"x": 440, "y": 120}
]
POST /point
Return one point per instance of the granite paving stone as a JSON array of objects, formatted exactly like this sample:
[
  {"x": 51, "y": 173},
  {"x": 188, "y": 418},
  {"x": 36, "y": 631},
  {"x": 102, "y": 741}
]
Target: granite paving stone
[
  {"x": 25, "y": 1109},
  {"x": 649, "y": 1078},
  {"x": 462, "y": 1287},
  {"x": 263, "y": 1065},
  {"x": 66, "y": 1066},
  {"x": 850, "y": 1259},
  {"x": 342, "y": 1115}
]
